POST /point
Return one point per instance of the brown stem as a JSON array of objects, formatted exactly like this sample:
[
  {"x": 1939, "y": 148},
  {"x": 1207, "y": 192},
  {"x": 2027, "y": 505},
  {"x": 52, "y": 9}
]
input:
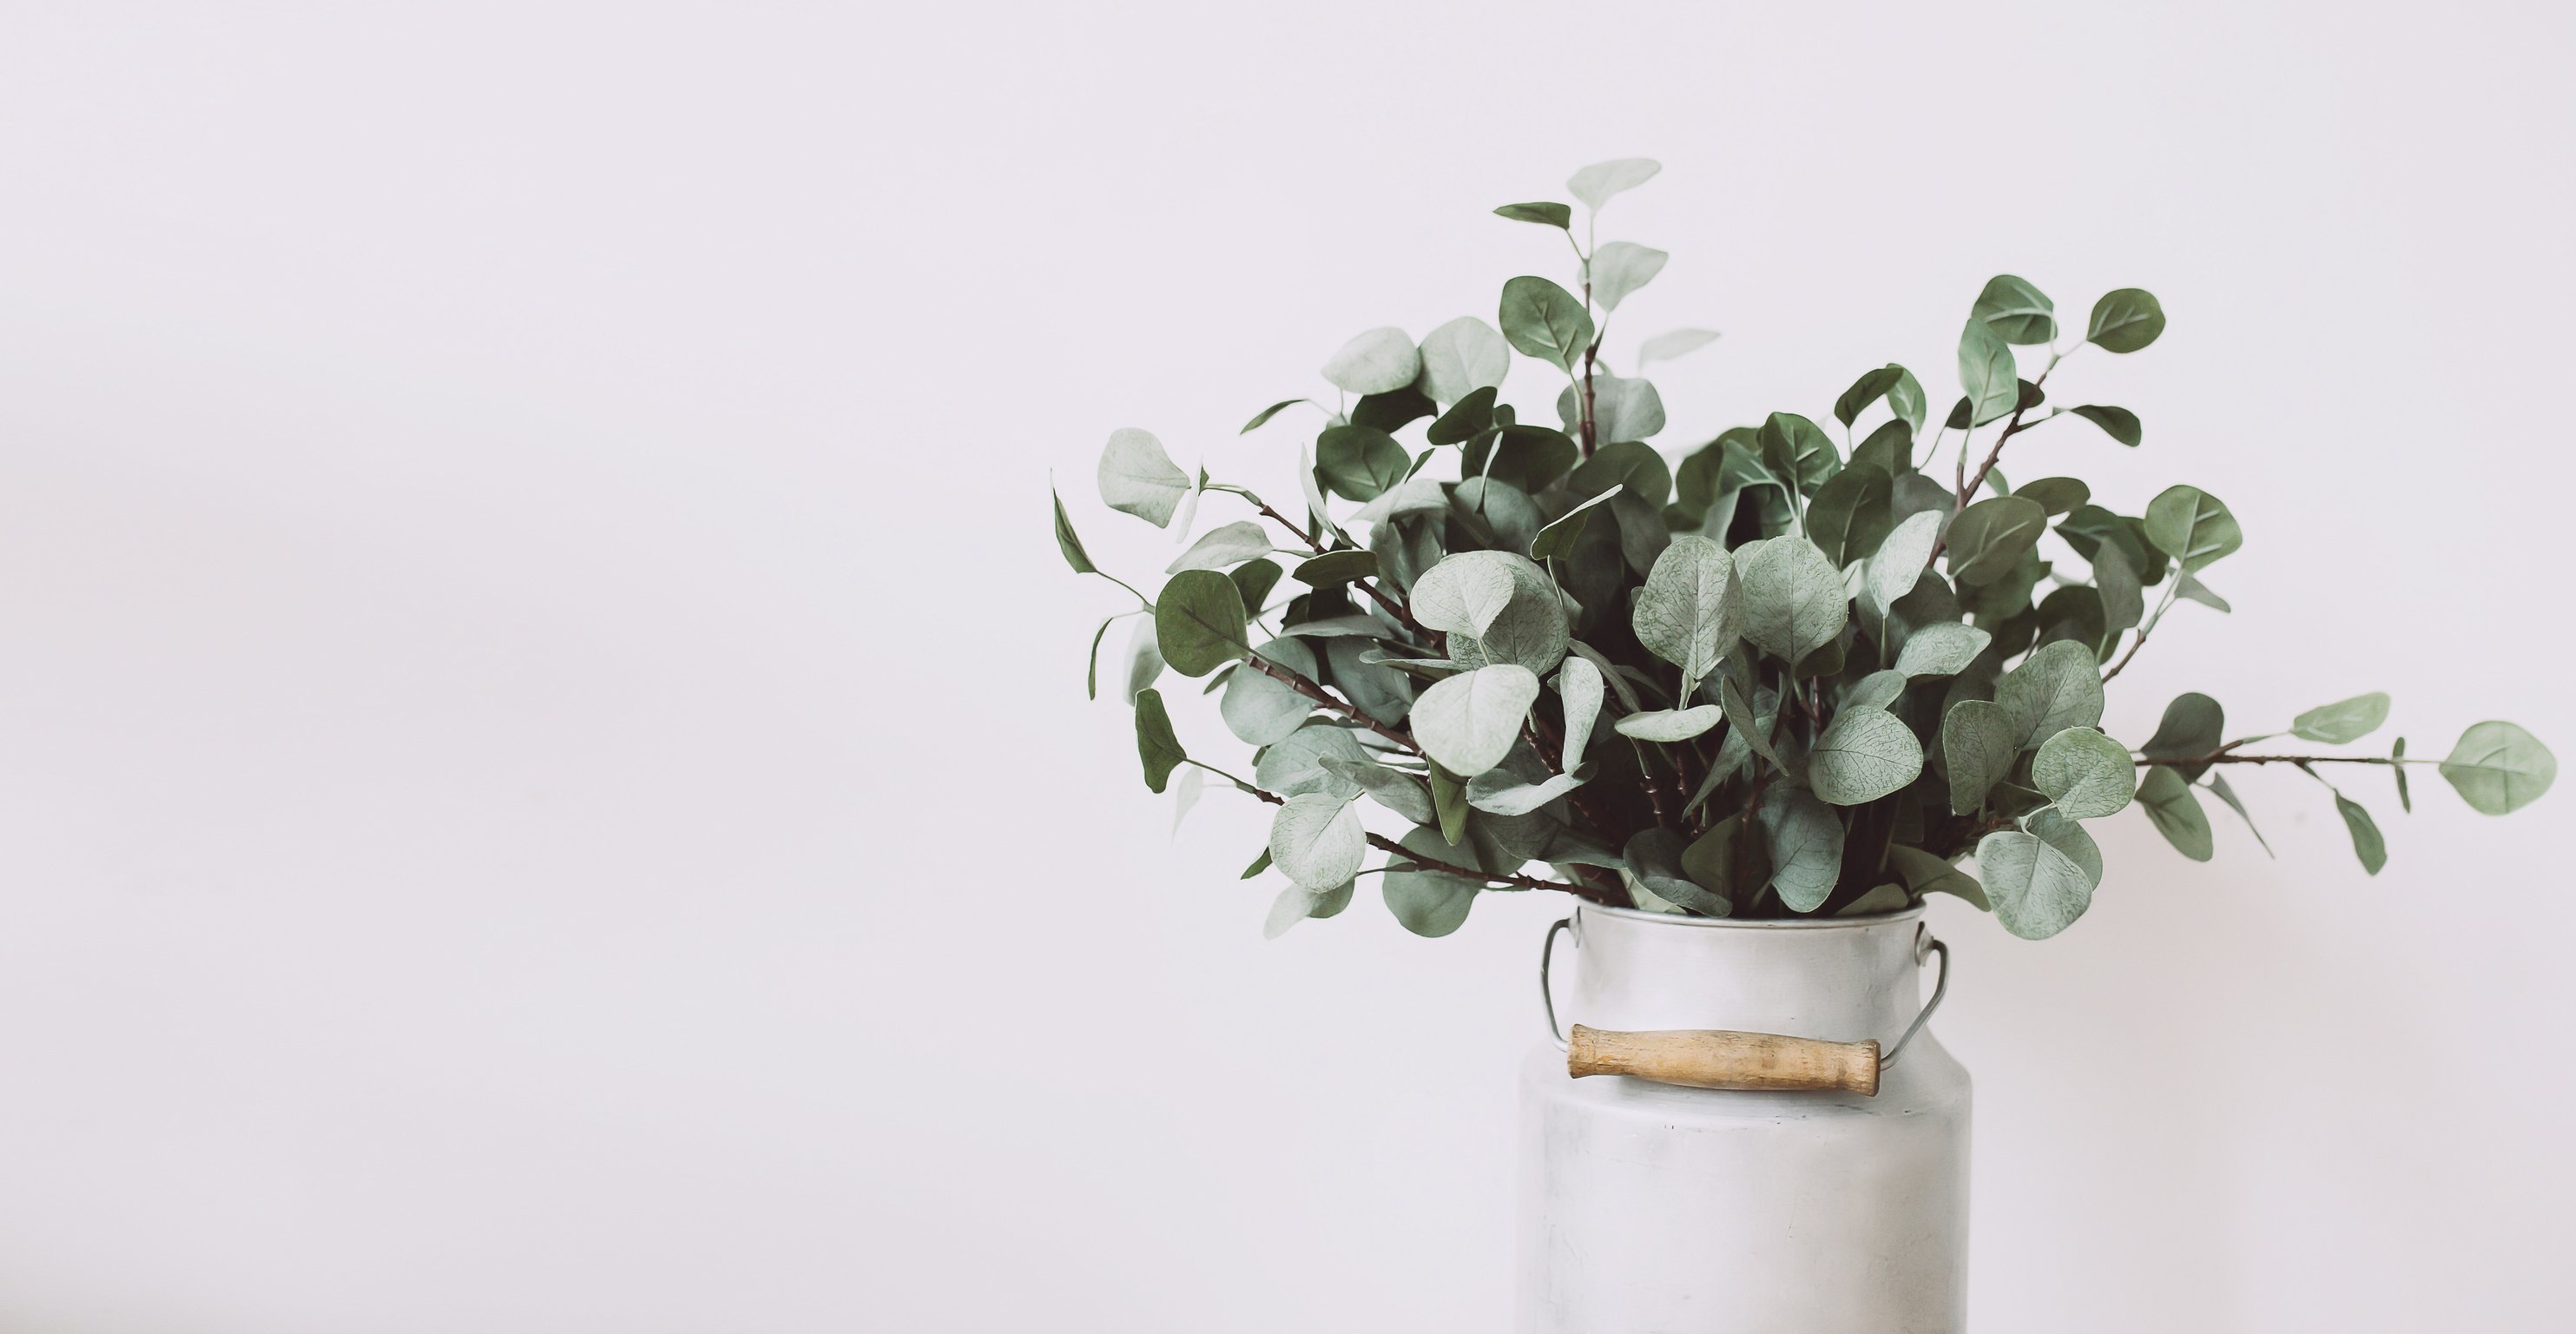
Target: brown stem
[
  {"x": 2222, "y": 756},
  {"x": 1393, "y": 607},
  {"x": 1324, "y": 697},
  {"x": 1383, "y": 843},
  {"x": 2012, "y": 427}
]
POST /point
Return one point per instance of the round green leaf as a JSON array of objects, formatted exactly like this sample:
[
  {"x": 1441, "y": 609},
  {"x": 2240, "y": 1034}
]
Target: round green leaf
[
  {"x": 2500, "y": 768},
  {"x": 1621, "y": 267},
  {"x": 1296, "y": 766},
  {"x": 1943, "y": 648},
  {"x": 1990, "y": 537},
  {"x": 1137, "y": 477},
  {"x": 1544, "y": 321},
  {"x": 1198, "y": 622},
  {"x": 1261, "y": 709},
  {"x": 2088, "y": 775},
  {"x": 2191, "y": 526},
  {"x": 1689, "y": 609},
  {"x": 1232, "y": 544},
  {"x": 1401, "y": 793},
  {"x": 1461, "y": 357},
  {"x": 1317, "y": 840},
  {"x": 2057, "y": 687},
  {"x": 1863, "y": 755},
  {"x": 1359, "y": 462},
  {"x": 1469, "y": 722},
  {"x": 2120, "y": 422},
  {"x": 1804, "y": 839},
  {"x": 2126, "y": 320},
  {"x": 1979, "y": 744},
  {"x": 1670, "y": 725},
  {"x": 2194, "y": 725},
  {"x": 1376, "y": 362},
  {"x": 2018, "y": 312},
  {"x": 2037, "y": 890},
  {"x": 1428, "y": 903},
  {"x": 1792, "y": 596},
  {"x": 1987, "y": 373},
  {"x": 1594, "y": 185}
]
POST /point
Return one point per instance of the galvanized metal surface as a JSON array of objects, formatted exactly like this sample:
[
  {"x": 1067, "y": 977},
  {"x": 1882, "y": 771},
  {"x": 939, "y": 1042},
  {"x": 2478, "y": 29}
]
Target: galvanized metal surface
[{"x": 1646, "y": 1207}]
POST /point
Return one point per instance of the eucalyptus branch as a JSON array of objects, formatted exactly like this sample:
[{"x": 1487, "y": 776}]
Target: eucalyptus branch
[
  {"x": 1416, "y": 861},
  {"x": 1394, "y": 607},
  {"x": 1317, "y": 693},
  {"x": 2012, "y": 426},
  {"x": 2223, "y": 756},
  {"x": 2140, "y": 642}
]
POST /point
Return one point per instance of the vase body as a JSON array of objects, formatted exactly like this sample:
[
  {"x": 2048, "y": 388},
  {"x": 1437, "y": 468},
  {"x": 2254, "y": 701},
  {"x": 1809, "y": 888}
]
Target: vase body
[{"x": 1648, "y": 1207}]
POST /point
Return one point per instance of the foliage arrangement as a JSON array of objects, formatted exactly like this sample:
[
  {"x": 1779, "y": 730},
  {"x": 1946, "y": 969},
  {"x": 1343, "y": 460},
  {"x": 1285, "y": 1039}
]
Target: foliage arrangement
[{"x": 1779, "y": 676}]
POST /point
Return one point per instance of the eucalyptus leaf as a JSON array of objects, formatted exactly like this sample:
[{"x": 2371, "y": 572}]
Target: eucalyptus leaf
[
  {"x": 1728, "y": 861},
  {"x": 1991, "y": 536},
  {"x": 1979, "y": 745},
  {"x": 1892, "y": 571},
  {"x": 1623, "y": 408},
  {"x": 2500, "y": 768},
  {"x": 1469, "y": 722},
  {"x": 1804, "y": 840},
  {"x": 2344, "y": 720},
  {"x": 1261, "y": 709},
  {"x": 2124, "y": 601},
  {"x": 1544, "y": 321},
  {"x": 1690, "y": 608},
  {"x": 1155, "y": 744},
  {"x": 2057, "y": 495},
  {"x": 1544, "y": 214},
  {"x": 1253, "y": 581},
  {"x": 1864, "y": 754},
  {"x": 2121, "y": 423},
  {"x": 1144, "y": 659},
  {"x": 2057, "y": 687},
  {"x": 2058, "y": 831},
  {"x": 2366, "y": 841},
  {"x": 1137, "y": 477},
  {"x": 1580, "y": 684},
  {"x": 1295, "y": 766},
  {"x": 1336, "y": 567},
  {"x": 1503, "y": 794},
  {"x": 1792, "y": 596},
  {"x": 1198, "y": 622},
  {"x": 1296, "y": 903},
  {"x": 2085, "y": 774},
  {"x": 1905, "y": 398},
  {"x": 1869, "y": 388},
  {"x": 1595, "y": 185},
  {"x": 1944, "y": 648},
  {"x": 2191, "y": 526},
  {"x": 1232, "y": 544},
  {"x": 1619, "y": 268},
  {"x": 1924, "y": 873},
  {"x": 1262, "y": 418},
  {"x": 2017, "y": 311},
  {"x": 1461, "y": 357},
  {"x": 1375, "y": 362},
  {"x": 1360, "y": 462},
  {"x": 2175, "y": 812},
  {"x": 1428, "y": 902},
  {"x": 2193, "y": 726},
  {"x": 2190, "y": 587},
  {"x": 2218, "y": 785},
  {"x": 2126, "y": 320},
  {"x": 1987, "y": 372},
  {"x": 1067, "y": 542},
  {"x": 1678, "y": 343},
  {"x": 2037, "y": 890},
  {"x": 1654, "y": 859},
  {"x": 1557, "y": 538},
  {"x": 1670, "y": 725},
  {"x": 1852, "y": 513},
  {"x": 1878, "y": 690}
]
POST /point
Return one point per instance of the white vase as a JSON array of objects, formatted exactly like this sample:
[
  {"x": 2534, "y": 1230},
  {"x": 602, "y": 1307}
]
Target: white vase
[{"x": 1649, "y": 1207}]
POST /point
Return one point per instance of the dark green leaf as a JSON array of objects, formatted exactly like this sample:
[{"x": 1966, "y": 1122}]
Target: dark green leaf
[
  {"x": 1359, "y": 462},
  {"x": 1067, "y": 542},
  {"x": 1991, "y": 536},
  {"x": 1868, "y": 389},
  {"x": 1629, "y": 464},
  {"x": 2019, "y": 312},
  {"x": 1654, "y": 857},
  {"x": 1544, "y": 321},
  {"x": 2191, "y": 526},
  {"x": 1336, "y": 567},
  {"x": 1392, "y": 409},
  {"x": 2343, "y": 720},
  {"x": 1155, "y": 745},
  {"x": 2120, "y": 422},
  {"x": 1449, "y": 799},
  {"x": 2126, "y": 320},
  {"x": 1557, "y": 538},
  {"x": 2175, "y": 812},
  {"x": 1924, "y": 874},
  {"x": 2218, "y": 785},
  {"x": 2057, "y": 495},
  {"x": 1198, "y": 622},
  {"x": 1852, "y": 513},
  {"x": 1259, "y": 865},
  {"x": 2194, "y": 725},
  {"x": 1728, "y": 861},
  {"x": 1890, "y": 448},
  {"x": 1809, "y": 450},
  {"x": 2396, "y": 765},
  {"x": 1254, "y": 580},
  {"x": 1905, "y": 399},
  {"x": 1544, "y": 214},
  {"x": 1471, "y": 417}
]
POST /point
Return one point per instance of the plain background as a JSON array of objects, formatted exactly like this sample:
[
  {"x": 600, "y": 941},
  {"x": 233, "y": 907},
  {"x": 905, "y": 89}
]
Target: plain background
[{"x": 544, "y": 776}]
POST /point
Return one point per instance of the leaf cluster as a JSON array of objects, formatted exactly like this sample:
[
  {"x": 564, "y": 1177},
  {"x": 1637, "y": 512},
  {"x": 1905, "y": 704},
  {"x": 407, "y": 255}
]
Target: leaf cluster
[{"x": 1792, "y": 670}]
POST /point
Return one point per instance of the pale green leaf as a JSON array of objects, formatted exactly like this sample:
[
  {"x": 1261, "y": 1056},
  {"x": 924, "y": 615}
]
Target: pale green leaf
[
  {"x": 1987, "y": 373},
  {"x": 2057, "y": 687},
  {"x": 1943, "y": 648},
  {"x": 1461, "y": 357},
  {"x": 1878, "y": 690},
  {"x": 1892, "y": 571},
  {"x": 1804, "y": 840},
  {"x": 1401, "y": 793},
  {"x": 1232, "y": 544},
  {"x": 2037, "y": 890},
  {"x": 1426, "y": 902},
  {"x": 1792, "y": 596},
  {"x": 2500, "y": 768},
  {"x": 2088, "y": 775},
  {"x": 1296, "y": 766},
  {"x": 1377, "y": 362},
  {"x": 2344, "y": 720},
  {"x": 1621, "y": 267},
  {"x": 1979, "y": 744},
  {"x": 1690, "y": 609},
  {"x": 1468, "y": 722},
  {"x": 1669, "y": 725},
  {"x": 2366, "y": 841},
  {"x": 1296, "y": 903},
  {"x": 1863, "y": 755},
  {"x": 1580, "y": 683},
  {"x": 1262, "y": 709},
  {"x": 1556, "y": 540},
  {"x": 1137, "y": 477},
  {"x": 1317, "y": 840},
  {"x": 1595, "y": 185},
  {"x": 1667, "y": 346},
  {"x": 1501, "y": 793}
]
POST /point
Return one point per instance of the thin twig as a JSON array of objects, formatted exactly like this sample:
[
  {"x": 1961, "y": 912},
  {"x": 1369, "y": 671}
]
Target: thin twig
[
  {"x": 1393, "y": 607},
  {"x": 1413, "y": 858},
  {"x": 2222, "y": 756},
  {"x": 1317, "y": 693}
]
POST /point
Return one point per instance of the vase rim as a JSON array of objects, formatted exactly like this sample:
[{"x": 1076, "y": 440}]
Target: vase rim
[{"x": 1764, "y": 924}]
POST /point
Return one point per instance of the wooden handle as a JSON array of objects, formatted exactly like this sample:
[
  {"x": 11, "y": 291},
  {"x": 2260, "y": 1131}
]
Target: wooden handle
[{"x": 1717, "y": 1059}]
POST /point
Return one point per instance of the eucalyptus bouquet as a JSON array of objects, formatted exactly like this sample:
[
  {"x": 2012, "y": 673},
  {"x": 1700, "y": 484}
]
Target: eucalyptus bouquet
[{"x": 1778, "y": 676}]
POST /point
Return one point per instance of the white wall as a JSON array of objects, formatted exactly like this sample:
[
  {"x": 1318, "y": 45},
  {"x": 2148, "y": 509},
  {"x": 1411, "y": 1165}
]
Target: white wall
[{"x": 544, "y": 782}]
